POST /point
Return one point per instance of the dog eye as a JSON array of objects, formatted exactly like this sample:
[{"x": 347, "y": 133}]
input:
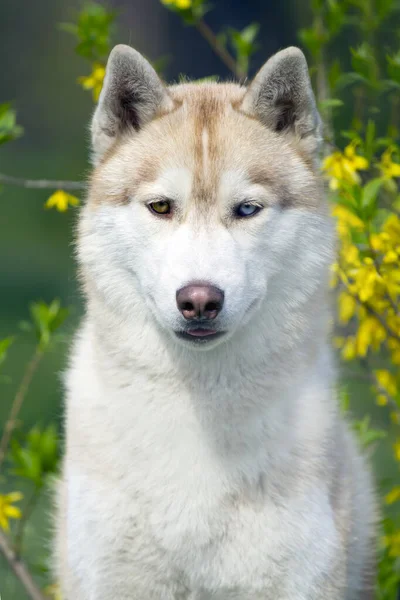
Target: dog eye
[
  {"x": 247, "y": 209},
  {"x": 161, "y": 207}
]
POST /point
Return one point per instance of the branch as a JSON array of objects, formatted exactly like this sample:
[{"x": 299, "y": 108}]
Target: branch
[
  {"x": 27, "y": 513},
  {"x": 42, "y": 184},
  {"x": 20, "y": 570},
  {"x": 17, "y": 403},
  {"x": 218, "y": 48}
]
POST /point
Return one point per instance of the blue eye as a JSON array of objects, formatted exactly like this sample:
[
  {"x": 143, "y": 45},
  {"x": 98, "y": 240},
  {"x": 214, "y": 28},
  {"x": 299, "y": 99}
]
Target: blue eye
[{"x": 246, "y": 209}]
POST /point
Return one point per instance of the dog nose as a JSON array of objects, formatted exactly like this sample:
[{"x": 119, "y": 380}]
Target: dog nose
[{"x": 200, "y": 301}]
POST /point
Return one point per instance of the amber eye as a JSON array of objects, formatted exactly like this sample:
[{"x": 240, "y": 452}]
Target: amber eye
[{"x": 161, "y": 207}]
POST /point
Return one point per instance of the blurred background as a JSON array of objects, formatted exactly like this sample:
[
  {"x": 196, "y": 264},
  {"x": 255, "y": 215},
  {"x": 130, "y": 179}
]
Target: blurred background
[{"x": 39, "y": 74}]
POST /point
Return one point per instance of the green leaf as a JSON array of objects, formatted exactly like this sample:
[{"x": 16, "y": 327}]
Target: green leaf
[
  {"x": 366, "y": 434},
  {"x": 46, "y": 320},
  {"x": 384, "y": 8},
  {"x": 5, "y": 343},
  {"x": 347, "y": 79},
  {"x": 244, "y": 44},
  {"x": 38, "y": 457},
  {"x": 312, "y": 40},
  {"x": 393, "y": 67},
  {"x": 369, "y": 196},
  {"x": 93, "y": 31},
  {"x": 49, "y": 449},
  {"x": 9, "y": 130},
  {"x": 334, "y": 74},
  {"x": 335, "y": 17},
  {"x": 364, "y": 63}
]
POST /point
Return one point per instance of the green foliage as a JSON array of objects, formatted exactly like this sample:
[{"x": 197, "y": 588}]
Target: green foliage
[
  {"x": 93, "y": 31},
  {"x": 243, "y": 43},
  {"x": 37, "y": 456},
  {"x": 5, "y": 343},
  {"x": 45, "y": 321},
  {"x": 9, "y": 130},
  {"x": 388, "y": 566},
  {"x": 367, "y": 435}
]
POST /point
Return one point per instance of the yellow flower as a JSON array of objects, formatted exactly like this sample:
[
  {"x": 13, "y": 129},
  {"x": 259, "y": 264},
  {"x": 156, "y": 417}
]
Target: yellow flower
[
  {"x": 61, "y": 200},
  {"x": 393, "y": 496},
  {"x": 367, "y": 280},
  {"x": 386, "y": 381},
  {"x": 346, "y": 220},
  {"x": 388, "y": 168},
  {"x": 342, "y": 167},
  {"x": 393, "y": 543},
  {"x": 347, "y": 307},
  {"x": 94, "y": 81},
  {"x": 395, "y": 417},
  {"x": 391, "y": 228},
  {"x": 390, "y": 257},
  {"x": 396, "y": 448},
  {"x": 7, "y": 511},
  {"x": 178, "y": 3},
  {"x": 370, "y": 333},
  {"x": 381, "y": 400},
  {"x": 349, "y": 349}
]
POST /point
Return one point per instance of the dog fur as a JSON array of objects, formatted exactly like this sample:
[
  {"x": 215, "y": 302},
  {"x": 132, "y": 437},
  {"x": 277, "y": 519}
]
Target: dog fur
[{"x": 222, "y": 470}]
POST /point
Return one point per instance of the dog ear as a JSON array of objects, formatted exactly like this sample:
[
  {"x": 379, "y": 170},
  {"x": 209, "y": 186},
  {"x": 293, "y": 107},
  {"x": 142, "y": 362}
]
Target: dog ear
[
  {"x": 281, "y": 97},
  {"x": 131, "y": 96}
]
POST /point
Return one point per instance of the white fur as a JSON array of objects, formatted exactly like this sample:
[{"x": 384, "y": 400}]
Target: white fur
[
  {"x": 220, "y": 472},
  {"x": 202, "y": 474}
]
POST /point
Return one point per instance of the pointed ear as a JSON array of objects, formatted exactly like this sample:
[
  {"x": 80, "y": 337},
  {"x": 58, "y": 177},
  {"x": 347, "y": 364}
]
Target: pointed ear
[
  {"x": 281, "y": 97},
  {"x": 131, "y": 96}
]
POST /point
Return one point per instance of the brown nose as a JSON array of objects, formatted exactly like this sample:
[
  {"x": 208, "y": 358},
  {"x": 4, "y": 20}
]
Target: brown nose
[{"x": 200, "y": 301}]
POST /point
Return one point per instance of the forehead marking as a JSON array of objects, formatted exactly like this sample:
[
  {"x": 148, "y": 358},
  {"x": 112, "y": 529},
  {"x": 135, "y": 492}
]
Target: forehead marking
[
  {"x": 206, "y": 165},
  {"x": 208, "y": 111}
]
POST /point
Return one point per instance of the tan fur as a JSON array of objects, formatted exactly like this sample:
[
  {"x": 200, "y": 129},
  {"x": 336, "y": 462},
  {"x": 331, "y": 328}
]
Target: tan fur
[{"x": 176, "y": 137}]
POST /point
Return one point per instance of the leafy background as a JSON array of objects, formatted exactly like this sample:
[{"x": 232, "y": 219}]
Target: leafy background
[{"x": 36, "y": 245}]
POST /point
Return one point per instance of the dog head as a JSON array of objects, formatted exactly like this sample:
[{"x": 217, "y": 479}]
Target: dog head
[{"x": 205, "y": 204}]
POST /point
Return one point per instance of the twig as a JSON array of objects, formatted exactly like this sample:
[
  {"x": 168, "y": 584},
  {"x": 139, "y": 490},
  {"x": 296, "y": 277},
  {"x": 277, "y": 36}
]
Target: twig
[
  {"x": 18, "y": 401},
  {"x": 218, "y": 48},
  {"x": 20, "y": 570},
  {"x": 377, "y": 316},
  {"x": 26, "y": 514},
  {"x": 42, "y": 184}
]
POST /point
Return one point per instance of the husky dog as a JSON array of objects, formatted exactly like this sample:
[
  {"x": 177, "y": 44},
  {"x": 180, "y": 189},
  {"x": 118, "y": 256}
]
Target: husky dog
[{"x": 206, "y": 457}]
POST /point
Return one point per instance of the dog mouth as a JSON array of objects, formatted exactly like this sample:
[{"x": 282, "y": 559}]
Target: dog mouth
[{"x": 199, "y": 335}]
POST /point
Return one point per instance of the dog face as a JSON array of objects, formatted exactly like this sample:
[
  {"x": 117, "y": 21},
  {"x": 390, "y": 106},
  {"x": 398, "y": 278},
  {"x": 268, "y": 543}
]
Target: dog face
[{"x": 205, "y": 203}]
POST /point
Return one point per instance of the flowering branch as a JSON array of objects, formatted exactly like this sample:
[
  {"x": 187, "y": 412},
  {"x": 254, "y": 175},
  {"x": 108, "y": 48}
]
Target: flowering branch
[
  {"x": 20, "y": 569},
  {"x": 218, "y": 48},
  {"x": 42, "y": 184},
  {"x": 369, "y": 308},
  {"x": 18, "y": 401}
]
